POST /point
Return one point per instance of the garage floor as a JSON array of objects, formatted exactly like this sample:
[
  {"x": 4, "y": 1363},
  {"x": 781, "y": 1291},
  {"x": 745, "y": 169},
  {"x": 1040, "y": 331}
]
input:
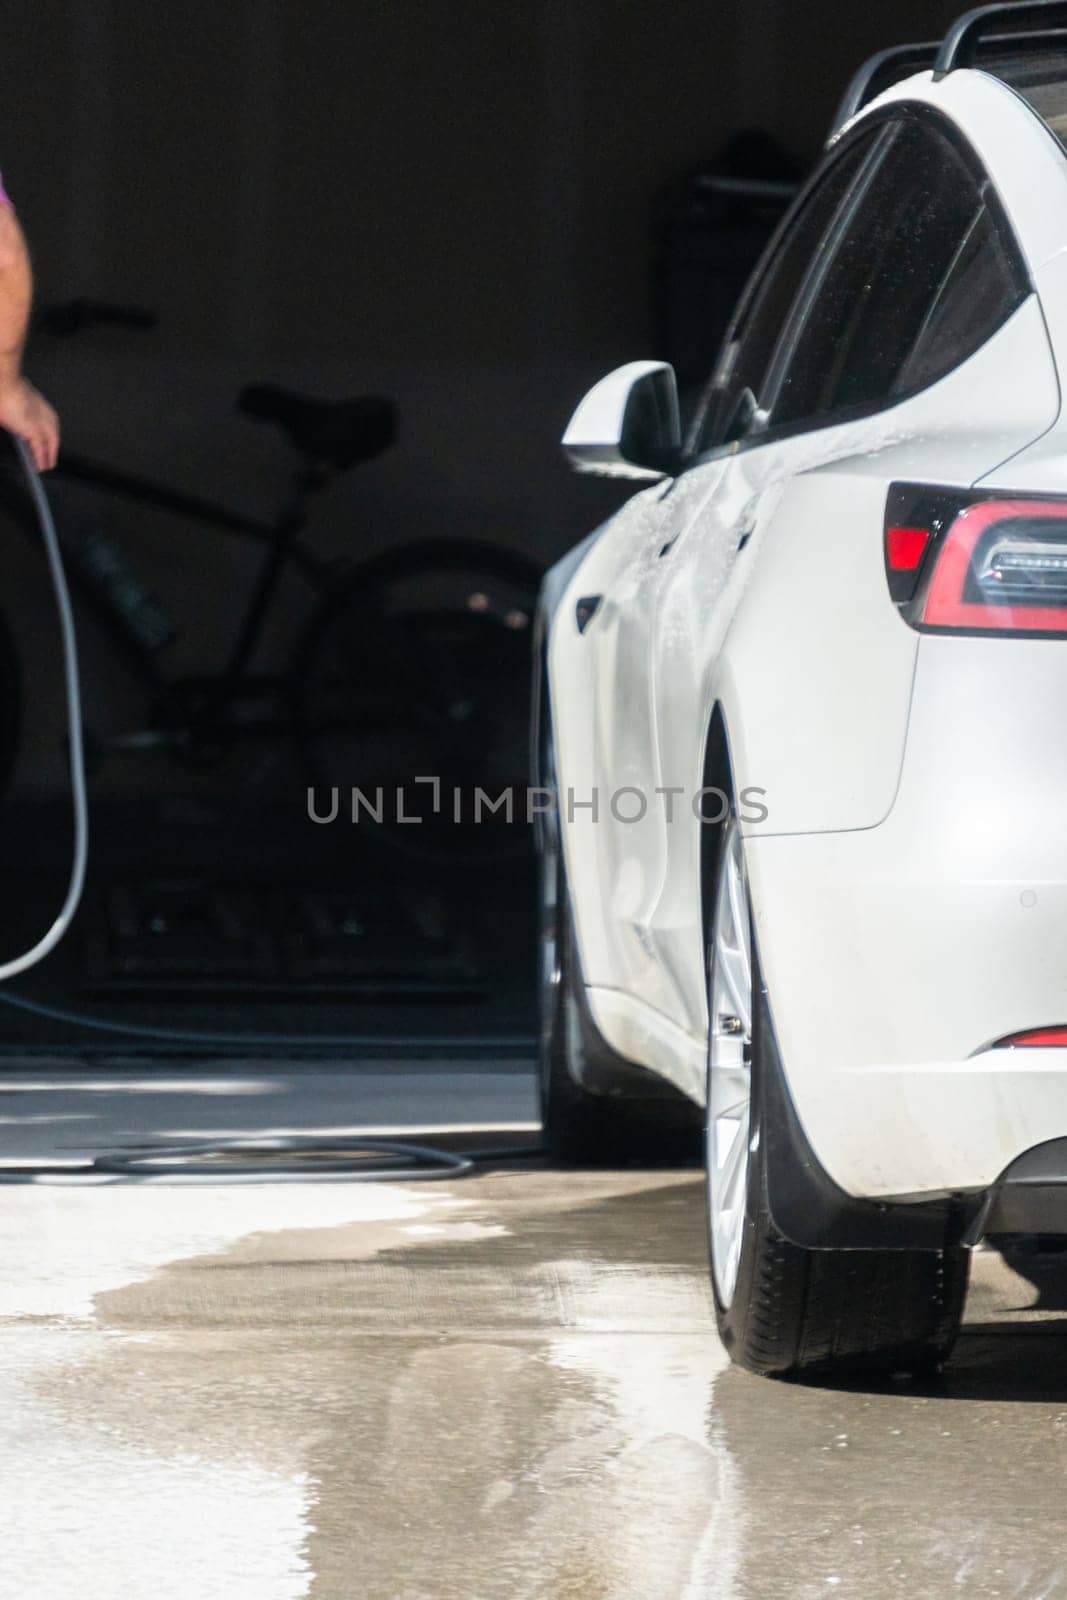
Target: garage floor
[{"x": 505, "y": 1386}]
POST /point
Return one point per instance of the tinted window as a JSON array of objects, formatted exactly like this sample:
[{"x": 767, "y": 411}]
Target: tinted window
[
  {"x": 750, "y": 344},
  {"x": 979, "y": 291},
  {"x": 891, "y": 309}
]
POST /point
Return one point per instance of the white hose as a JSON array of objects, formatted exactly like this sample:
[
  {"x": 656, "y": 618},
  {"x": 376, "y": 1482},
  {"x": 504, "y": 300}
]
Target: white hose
[{"x": 44, "y": 946}]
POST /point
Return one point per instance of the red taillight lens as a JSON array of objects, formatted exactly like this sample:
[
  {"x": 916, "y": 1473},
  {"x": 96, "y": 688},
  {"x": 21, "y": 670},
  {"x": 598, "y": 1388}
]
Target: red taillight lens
[
  {"x": 978, "y": 563},
  {"x": 905, "y": 548},
  {"x": 1034, "y": 1040}
]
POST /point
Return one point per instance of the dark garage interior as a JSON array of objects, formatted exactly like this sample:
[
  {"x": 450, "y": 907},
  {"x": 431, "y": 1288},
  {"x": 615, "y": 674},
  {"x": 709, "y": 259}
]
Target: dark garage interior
[
  {"x": 409, "y": 1192},
  {"x": 470, "y": 210}
]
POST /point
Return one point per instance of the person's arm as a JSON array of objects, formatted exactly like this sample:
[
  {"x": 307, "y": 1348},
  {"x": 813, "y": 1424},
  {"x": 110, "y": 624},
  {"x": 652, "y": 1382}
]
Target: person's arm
[{"x": 22, "y": 410}]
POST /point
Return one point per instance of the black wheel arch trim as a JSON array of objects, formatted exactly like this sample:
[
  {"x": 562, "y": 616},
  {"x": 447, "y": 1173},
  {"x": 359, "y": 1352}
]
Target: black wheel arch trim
[{"x": 809, "y": 1209}]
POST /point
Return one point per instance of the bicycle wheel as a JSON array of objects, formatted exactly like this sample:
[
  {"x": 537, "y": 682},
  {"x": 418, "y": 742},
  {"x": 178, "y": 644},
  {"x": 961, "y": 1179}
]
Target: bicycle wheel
[
  {"x": 418, "y": 667},
  {"x": 10, "y": 705}
]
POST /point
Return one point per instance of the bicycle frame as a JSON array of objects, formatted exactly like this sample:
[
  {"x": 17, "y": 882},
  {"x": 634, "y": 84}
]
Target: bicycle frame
[{"x": 281, "y": 538}]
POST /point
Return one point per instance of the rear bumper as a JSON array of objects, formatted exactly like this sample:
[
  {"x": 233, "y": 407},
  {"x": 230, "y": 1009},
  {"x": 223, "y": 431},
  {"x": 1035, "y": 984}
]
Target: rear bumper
[
  {"x": 896, "y": 955},
  {"x": 811, "y": 1210},
  {"x": 891, "y": 967},
  {"x": 1030, "y": 1197}
]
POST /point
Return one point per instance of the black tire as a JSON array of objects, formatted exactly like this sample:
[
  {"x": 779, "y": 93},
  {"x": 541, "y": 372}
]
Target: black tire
[
  {"x": 579, "y": 1127},
  {"x": 801, "y": 1313}
]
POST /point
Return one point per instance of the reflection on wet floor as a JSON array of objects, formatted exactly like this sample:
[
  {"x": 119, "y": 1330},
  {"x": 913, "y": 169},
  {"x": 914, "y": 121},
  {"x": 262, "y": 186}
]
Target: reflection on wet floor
[{"x": 508, "y": 1388}]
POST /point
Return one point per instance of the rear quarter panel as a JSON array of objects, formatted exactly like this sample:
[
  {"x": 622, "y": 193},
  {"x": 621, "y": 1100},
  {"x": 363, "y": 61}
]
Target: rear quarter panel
[{"x": 816, "y": 672}]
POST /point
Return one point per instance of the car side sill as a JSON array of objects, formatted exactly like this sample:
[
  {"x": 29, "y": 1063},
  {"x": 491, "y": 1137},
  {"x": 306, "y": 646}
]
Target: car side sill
[{"x": 641, "y": 1034}]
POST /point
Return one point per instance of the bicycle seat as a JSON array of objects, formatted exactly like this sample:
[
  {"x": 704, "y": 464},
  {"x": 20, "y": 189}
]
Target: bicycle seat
[{"x": 342, "y": 432}]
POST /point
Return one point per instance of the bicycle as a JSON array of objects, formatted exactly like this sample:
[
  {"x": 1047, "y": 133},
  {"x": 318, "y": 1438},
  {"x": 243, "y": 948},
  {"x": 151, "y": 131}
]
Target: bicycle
[{"x": 414, "y": 662}]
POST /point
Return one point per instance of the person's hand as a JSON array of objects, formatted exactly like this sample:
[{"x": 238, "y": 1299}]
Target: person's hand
[{"x": 26, "y": 413}]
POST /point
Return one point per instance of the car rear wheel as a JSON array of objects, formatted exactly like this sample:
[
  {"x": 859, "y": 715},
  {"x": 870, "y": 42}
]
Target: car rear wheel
[{"x": 783, "y": 1310}]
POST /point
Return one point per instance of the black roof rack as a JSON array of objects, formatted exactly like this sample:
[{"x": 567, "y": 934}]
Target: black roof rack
[
  {"x": 881, "y": 72},
  {"x": 1029, "y": 23},
  {"x": 1043, "y": 19}
]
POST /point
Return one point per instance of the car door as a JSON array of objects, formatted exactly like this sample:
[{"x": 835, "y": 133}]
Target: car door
[
  {"x": 894, "y": 363},
  {"x": 609, "y": 742}
]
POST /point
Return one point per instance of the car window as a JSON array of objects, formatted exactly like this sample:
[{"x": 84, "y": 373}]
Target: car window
[
  {"x": 750, "y": 343},
  {"x": 891, "y": 310},
  {"x": 979, "y": 291}
]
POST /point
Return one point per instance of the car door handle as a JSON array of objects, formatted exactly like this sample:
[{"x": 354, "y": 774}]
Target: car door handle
[{"x": 586, "y": 609}]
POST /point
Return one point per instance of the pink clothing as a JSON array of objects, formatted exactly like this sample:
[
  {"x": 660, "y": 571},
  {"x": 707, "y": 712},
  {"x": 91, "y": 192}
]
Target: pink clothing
[{"x": 4, "y": 198}]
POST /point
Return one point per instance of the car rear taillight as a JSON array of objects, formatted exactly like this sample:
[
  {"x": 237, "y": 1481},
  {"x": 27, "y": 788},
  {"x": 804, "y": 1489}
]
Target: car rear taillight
[
  {"x": 1036, "y": 1039},
  {"x": 904, "y": 551},
  {"x": 961, "y": 562}
]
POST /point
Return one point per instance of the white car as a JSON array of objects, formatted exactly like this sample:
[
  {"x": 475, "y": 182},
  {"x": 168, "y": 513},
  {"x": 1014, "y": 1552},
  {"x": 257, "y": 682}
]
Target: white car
[{"x": 804, "y": 701}]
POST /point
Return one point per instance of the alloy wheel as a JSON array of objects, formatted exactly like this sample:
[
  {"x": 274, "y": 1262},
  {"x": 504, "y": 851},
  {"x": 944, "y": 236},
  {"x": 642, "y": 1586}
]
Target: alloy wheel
[{"x": 729, "y": 1067}]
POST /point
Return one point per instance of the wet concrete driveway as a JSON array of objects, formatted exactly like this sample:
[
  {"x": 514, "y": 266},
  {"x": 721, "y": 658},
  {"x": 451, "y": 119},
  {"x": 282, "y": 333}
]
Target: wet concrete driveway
[{"x": 504, "y": 1387}]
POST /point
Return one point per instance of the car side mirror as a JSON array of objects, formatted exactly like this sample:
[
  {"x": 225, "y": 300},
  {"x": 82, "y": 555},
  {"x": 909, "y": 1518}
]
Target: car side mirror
[{"x": 628, "y": 425}]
